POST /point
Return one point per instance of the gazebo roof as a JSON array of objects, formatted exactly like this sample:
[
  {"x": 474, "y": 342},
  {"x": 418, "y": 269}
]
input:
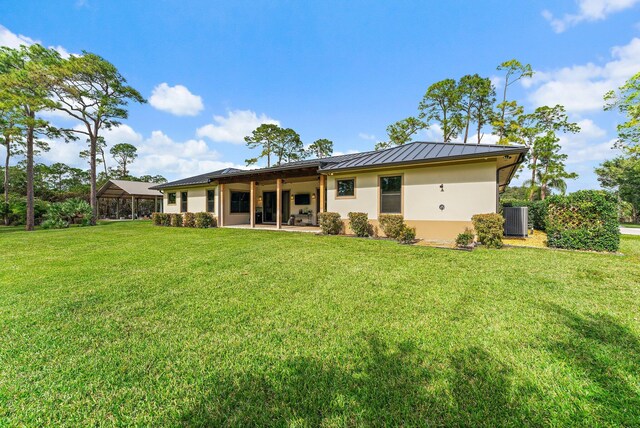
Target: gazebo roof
[{"x": 124, "y": 188}]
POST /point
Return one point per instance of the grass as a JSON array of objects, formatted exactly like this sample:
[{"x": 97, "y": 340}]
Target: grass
[
  {"x": 130, "y": 324},
  {"x": 630, "y": 225}
]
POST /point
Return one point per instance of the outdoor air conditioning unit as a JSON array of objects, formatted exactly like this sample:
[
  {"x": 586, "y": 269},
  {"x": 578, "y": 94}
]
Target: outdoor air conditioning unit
[{"x": 516, "y": 221}]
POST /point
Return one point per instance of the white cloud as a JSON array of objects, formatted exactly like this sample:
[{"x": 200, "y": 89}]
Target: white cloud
[
  {"x": 588, "y": 11},
  {"x": 12, "y": 40},
  {"x": 580, "y": 88},
  {"x": 590, "y": 144},
  {"x": 366, "y": 136},
  {"x": 348, "y": 152},
  {"x": 234, "y": 127},
  {"x": 177, "y": 100}
]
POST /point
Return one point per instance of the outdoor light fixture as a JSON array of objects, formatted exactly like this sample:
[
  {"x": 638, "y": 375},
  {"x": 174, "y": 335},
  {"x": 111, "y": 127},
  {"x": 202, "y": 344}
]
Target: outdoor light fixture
[
  {"x": 442, "y": 187},
  {"x": 313, "y": 196},
  {"x": 259, "y": 198},
  {"x": 292, "y": 197}
]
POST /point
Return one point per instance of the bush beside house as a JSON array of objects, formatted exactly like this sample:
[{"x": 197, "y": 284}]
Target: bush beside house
[
  {"x": 583, "y": 220},
  {"x": 198, "y": 220},
  {"x": 359, "y": 224},
  {"x": 330, "y": 223},
  {"x": 489, "y": 228},
  {"x": 391, "y": 224}
]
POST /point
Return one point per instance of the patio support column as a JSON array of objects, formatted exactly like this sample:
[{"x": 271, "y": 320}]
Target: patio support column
[
  {"x": 117, "y": 208},
  {"x": 133, "y": 204},
  {"x": 252, "y": 205},
  {"x": 279, "y": 203},
  {"x": 221, "y": 210},
  {"x": 155, "y": 204},
  {"x": 323, "y": 185}
]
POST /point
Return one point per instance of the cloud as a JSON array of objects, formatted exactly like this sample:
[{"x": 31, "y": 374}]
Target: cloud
[
  {"x": 177, "y": 100},
  {"x": 588, "y": 11},
  {"x": 366, "y": 136},
  {"x": 580, "y": 88},
  {"x": 590, "y": 144},
  {"x": 14, "y": 41},
  {"x": 234, "y": 127},
  {"x": 348, "y": 152}
]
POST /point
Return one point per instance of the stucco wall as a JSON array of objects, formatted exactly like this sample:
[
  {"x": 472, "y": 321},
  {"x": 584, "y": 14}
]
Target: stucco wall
[
  {"x": 196, "y": 202},
  {"x": 469, "y": 189}
]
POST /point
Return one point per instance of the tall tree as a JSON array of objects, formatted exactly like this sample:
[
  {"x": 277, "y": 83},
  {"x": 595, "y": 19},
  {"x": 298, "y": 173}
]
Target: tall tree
[
  {"x": 263, "y": 137},
  {"x": 11, "y": 139},
  {"x": 536, "y": 129},
  {"x": 622, "y": 175},
  {"x": 25, "y": 84},
  {"x": 551, "y": 172},
  {"x": 402, "y": 132},
  {"x": 92, "y": 90},
  {"x": 124, "y": 154},
  {"x": 441, "y": 104},
  {"x": 476, "y": 99},
  {"x": 627, "y": 101},
  {"x": 288, "y": 146},
  {"x": 321, "y": 148},
  {"x": 505, "y": 122}
]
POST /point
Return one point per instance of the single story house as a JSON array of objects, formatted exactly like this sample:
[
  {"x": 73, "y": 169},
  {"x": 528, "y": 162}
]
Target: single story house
[{"x": 437, "y": 187}]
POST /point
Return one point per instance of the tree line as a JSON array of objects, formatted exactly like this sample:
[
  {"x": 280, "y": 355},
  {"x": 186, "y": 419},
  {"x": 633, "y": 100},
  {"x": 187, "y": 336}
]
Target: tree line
[{"x": 88, "y": 89}]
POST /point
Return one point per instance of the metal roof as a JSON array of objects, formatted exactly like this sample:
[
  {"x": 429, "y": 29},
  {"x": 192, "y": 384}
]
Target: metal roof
[
  {"x": 410, "y": 153},
  {"x": 197, "y": 179},
  {"x": 118, "y": 188},
  {"x": 422, "y": 152}
]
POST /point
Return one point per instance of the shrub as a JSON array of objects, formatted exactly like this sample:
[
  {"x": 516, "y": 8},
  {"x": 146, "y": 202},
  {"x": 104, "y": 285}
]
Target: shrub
[
  {"x": 61, "y": 214},
  {"x": 330, "y": 223},
  {"x": 16, "y": 211},
  {"x": 407, "y": 235},
  {"x": 166, "y": 219},
  {"x": 156, "y": 219},
  {"x": 359, "y": 224},
  {"x": 584, "y": 220},
  {"x": 490, "y": 228},
  {"x": 189, "y": 220},
  {"x": 204, "y": 220},
  {"x": 391, "y": 224},
  {"x": 176, "y": 220},
  {"x": 465, "y": 239}
]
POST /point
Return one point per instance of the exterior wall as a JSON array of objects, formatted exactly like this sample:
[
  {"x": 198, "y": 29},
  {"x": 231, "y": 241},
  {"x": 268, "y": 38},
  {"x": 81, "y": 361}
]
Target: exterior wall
[
  {"x": 231, "y": 219},
  {"x": 469, "y": 188},
  {"x": 196, "y": 202}
]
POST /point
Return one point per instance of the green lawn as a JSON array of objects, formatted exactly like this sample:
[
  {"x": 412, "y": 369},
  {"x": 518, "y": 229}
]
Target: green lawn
[
  {"x": 130, "y": 324},
  {"x": 630, "y": 225}
]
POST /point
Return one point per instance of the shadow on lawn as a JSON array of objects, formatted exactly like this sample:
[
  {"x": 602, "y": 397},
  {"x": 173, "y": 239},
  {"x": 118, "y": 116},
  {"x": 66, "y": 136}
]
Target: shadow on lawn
[
  {"x": 382, "y": 387},
  {"x": 607, "y": 355}
]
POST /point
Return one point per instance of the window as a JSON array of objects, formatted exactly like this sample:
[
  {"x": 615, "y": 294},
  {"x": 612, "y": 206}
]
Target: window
[
  {"x": 183, "y": 202},
  {"x": 172, "y": 198},
  {"x": 211, "y": 206},
  {"x": 346, "y": 188},
  {"x": 391, "y": 195},
  {"x": 240, "y": 202}
]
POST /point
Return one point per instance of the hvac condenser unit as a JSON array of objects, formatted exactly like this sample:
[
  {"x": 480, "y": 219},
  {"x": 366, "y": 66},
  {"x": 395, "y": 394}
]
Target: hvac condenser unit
[{"x": 516, "y": 221}]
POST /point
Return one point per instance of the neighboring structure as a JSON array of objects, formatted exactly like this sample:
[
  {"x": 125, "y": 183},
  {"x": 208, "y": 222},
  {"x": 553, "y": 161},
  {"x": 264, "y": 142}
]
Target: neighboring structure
[
  {"x": 437, "y": 187},
  {"x": 129, "y": 190}
]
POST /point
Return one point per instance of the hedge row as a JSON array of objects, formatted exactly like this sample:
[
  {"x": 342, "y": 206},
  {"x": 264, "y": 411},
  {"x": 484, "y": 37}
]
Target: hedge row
[
  {"x": 199, "y": 220},
  {"x": 393, "y": 226},
  {"x": 583, "y": 220}
]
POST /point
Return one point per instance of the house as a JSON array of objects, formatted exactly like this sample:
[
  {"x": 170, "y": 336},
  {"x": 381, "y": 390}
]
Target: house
[{"x": 437, "y": 187}]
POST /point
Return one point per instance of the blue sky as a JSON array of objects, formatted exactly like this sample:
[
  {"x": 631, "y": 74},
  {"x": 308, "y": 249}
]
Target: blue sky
[{"x": 337, "y": 70}]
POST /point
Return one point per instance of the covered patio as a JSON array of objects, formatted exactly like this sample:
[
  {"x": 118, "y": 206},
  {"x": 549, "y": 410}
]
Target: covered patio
[
  {"x": 123, "y": 190},
  {"x": 288, "y": 198}
]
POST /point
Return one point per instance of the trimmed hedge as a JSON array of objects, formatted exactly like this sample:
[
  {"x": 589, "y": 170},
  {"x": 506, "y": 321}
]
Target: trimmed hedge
[
  {"x": 176, "y": 220},
  {"x": 584, "y": 220},
  {"x": 359, "y": 224},
  {"x": 391, "y": 224},
  {"x": 204, "y": 220},
  {"x": 330, "y": 223},
  {"x": 490, "y": 228},
  {"x": 537, "y": 211},
  {"x": 189, "y": 220},
  {"x": 407, "y": 235}
]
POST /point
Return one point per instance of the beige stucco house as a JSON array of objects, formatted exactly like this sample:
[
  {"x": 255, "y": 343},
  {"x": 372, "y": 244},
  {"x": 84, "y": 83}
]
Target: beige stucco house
[{"x": 437, "y": 187}]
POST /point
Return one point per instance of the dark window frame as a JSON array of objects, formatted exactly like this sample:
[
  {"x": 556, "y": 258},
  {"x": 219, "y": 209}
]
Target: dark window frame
[
  {"x": 184, "y": 202},
  {"x": 211, "y": 208},
  {"x": 394, "y": 193},
  {"x": 241, "y": 206},
  {"x": 169, "y": 197},
  {"x": 353, "y": 189}
]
